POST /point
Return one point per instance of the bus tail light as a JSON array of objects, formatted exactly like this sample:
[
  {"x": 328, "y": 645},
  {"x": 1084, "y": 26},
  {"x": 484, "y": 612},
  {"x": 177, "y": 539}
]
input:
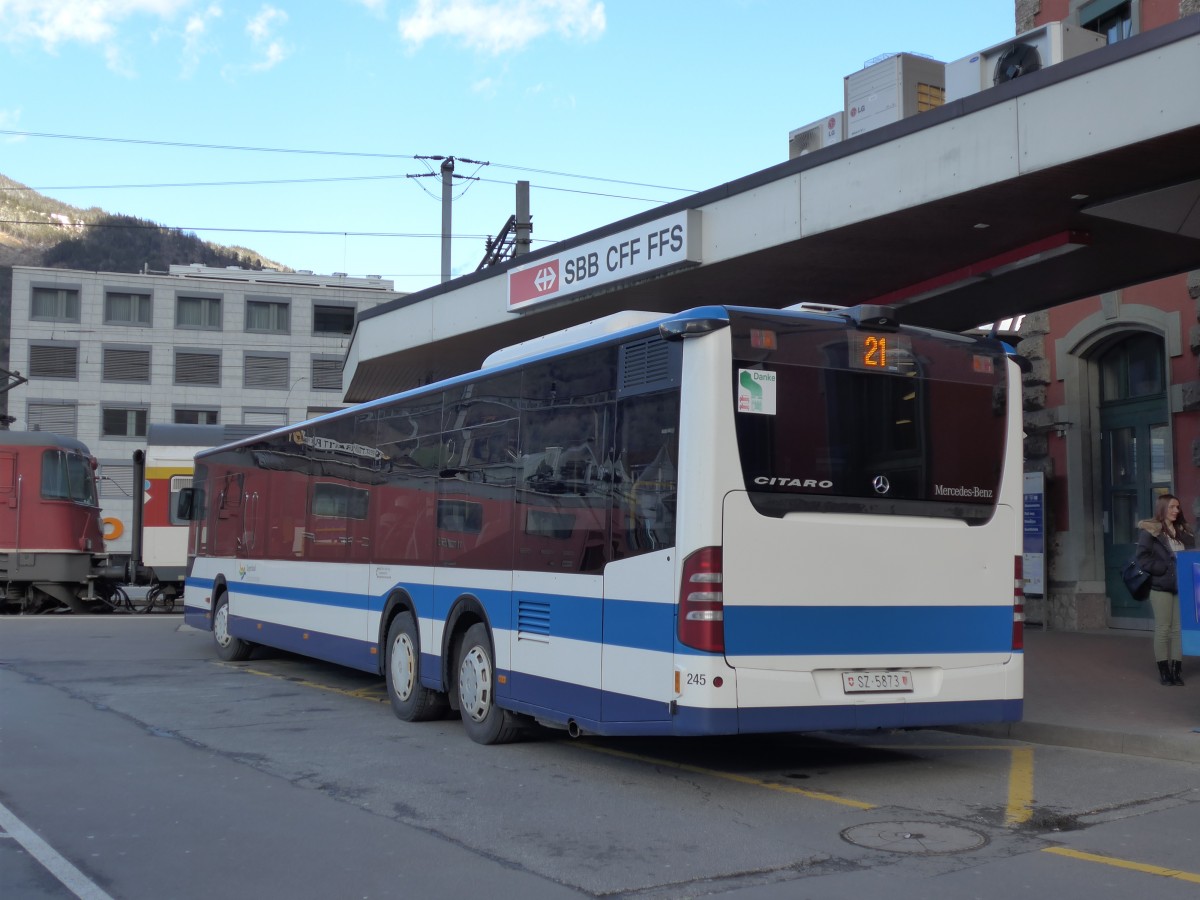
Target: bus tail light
[
  {"x": 1018, "y": 635},
  {"x": 701, "y": 603}
]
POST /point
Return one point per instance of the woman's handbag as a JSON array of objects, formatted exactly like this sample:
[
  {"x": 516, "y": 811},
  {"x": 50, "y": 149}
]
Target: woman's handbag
[{"x": 1136, "y": 580}]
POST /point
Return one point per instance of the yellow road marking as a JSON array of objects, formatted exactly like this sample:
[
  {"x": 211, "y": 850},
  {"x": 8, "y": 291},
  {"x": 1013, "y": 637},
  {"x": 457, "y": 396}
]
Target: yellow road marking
[
  {"x": 1020, "y": 775},
  {"x": 360, "y": 693},
  {"x": 1020, "y": 787},
  {"x": 730, "y": 776},
  {"x": 1179, "y": 874}
]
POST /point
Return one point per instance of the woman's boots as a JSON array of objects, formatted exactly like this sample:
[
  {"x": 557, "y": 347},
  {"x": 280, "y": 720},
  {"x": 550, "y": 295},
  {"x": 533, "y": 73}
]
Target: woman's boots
[
  {"x": 1169, "y": 672},
  {"x": 1164, "y": 672}
]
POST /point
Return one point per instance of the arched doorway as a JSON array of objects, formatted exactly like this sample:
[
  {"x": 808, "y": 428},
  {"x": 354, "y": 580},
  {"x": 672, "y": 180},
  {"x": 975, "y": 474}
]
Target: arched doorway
[{"x": 1137, "y": 466}]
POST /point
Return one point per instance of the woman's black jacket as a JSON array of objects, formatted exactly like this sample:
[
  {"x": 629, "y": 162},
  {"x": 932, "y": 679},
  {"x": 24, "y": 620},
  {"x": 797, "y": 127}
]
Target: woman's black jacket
[{"x": 1154, "y": 554}]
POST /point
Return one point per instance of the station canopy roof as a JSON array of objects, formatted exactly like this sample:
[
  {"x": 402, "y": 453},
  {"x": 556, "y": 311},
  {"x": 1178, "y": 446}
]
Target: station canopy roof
[{"x": 1072, "y": 181}]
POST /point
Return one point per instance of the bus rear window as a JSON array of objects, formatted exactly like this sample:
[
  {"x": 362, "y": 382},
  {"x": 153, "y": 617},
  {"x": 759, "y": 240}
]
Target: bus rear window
[{"x": 831, "y": 418}]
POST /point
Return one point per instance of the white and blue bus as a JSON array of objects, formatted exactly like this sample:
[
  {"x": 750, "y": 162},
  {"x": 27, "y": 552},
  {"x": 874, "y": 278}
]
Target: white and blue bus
[{"x": 727, "y": 520}]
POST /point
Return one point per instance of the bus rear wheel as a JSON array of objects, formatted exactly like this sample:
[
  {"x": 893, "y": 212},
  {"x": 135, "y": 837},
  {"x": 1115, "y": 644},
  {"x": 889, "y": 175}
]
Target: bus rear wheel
[
  {"x": 483, "y": 720},
  {"x": 229, "y": 648},
  {"x": 410, "y": 701}
]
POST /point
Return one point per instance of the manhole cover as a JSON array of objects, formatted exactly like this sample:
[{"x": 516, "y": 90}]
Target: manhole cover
[{"x": 924, "y": 838}]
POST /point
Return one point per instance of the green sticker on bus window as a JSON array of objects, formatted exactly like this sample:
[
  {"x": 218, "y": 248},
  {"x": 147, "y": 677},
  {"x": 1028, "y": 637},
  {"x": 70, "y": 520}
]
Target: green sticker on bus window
[{"x": 756, "y": 392}]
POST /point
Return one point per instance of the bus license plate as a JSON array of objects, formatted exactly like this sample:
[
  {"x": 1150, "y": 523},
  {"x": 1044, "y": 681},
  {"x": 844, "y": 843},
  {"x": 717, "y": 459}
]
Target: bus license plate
[{"x": 877, "y": 681}]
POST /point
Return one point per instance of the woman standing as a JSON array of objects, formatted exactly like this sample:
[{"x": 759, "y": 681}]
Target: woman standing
[{"x": 1159, "y": 539}]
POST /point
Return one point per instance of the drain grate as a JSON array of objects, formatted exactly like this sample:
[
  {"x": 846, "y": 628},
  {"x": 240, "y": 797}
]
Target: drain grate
[{"x": 917, "y": 838}]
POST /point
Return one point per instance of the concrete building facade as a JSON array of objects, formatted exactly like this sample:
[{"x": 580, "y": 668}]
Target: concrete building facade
[{"x": 106, "y": 354}]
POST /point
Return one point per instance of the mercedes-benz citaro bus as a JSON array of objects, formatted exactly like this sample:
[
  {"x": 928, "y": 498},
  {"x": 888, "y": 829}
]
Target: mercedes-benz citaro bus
[{"x": 727, "y": 520}]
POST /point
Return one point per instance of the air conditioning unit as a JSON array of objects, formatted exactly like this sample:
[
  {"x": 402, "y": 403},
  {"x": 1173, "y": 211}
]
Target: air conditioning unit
[
  {"x": 815, "y": 135},
  {"x": 892, "y": 88},
  {"x": 1027, "y": 52}
]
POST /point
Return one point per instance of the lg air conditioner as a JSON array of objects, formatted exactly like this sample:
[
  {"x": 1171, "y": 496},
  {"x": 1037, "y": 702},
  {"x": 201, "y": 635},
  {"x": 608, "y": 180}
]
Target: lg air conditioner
[
  {"x": 815, "y": 135},
  {"x": 891, "y": 88}
]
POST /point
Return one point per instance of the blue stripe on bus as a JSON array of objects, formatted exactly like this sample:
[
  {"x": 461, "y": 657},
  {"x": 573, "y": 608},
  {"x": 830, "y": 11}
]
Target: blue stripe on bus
[
  {"x": 343, "y": 600},
  {"x": 837, "y": 630},
  {"x": 351, "y": 652},
  {"x": 642, "y": 626},
  {"x": 646, "y": 717},
  {"x": 749, "y": 630}
]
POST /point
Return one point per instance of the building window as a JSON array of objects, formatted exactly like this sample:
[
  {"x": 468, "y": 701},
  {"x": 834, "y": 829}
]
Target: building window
[
  {"x": 57, "y": 360},
  {"x": 126, "y": 364},
  {"x": 59, "y": 418},
  {"x": 197, "y": 367},
  {"x": 1134, "y": 368},
  {"x": 197, "y": 417},
  {"x": 326, "y": 373},
  {"x": 127, "y": 309},
  {"x": 114, "y": 480},
  {"x": 264, "y": 418},
  {"x": 119, "y": 421},
  {"x": 333, "y": 319},
  {"x": 262, "y": 371},
  {"x": 198, "y": 312},
  {"x": 1111, "y": 18},
  {"x": 269, "y": 316},
  {"x": 54, "y": 305}
]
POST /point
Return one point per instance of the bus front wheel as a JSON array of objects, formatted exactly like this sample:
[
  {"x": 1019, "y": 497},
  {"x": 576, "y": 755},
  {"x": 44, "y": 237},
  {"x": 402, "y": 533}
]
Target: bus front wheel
[
  {"x": 483, "y": 720},
  {"x": 410, "y": 701},
  {"x": 229, "y": 648}
]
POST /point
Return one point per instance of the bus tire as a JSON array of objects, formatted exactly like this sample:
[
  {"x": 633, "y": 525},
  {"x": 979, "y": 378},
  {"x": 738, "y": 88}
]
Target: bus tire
[
  {"x": 229, "y": 648},
  {"x": 483, "y": 720},
  {"x": 410, "y": 701}
]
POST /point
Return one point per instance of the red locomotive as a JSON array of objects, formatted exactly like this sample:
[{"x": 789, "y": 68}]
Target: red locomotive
[{"x": 51, "y": 546}]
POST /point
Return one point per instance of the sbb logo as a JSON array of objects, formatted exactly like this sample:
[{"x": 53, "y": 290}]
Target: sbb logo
[
  {"x": 545, "y": 279},
  {"x": 533, "y": 283}
]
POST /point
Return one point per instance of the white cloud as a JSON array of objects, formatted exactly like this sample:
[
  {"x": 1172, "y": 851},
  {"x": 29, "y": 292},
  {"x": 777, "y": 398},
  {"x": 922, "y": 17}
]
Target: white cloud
[
  {"x": 118, "y": 60},
  {"x": 495, "y": 27},
  {"x": 261, "y": 29},
  {"x": 9, "y": 120},
  {"x": 54, "y": 22},
  {"x": 486, "y": 87},
  {"x": 195, "y": 37},
  {"x": 379, "y": 7}
]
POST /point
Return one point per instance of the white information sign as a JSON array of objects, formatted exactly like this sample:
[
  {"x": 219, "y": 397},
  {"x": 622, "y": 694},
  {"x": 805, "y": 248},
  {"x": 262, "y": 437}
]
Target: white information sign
[
  {"x": 662, "y": 244},
  {"x": 756, "y": 392}
]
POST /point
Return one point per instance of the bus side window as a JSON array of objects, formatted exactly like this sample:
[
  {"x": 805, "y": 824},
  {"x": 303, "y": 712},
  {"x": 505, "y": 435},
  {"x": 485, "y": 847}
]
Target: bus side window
[{"x": 648, "y": 451}]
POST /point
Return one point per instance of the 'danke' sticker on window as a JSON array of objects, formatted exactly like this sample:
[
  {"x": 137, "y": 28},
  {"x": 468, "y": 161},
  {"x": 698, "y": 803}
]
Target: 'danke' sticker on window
[{"x": 756, "y": 392}]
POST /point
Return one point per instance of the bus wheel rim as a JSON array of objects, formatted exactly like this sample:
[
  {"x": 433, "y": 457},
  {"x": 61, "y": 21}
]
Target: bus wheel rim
[
  {"x": 221, "y": 625},
  {"x": 404, "y": 669},
  {"x": 475, "y": 684}
]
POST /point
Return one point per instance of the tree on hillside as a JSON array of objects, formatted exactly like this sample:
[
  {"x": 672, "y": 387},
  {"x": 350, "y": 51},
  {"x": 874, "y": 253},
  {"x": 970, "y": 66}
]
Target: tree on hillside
[{"x": 115, "y": 243}]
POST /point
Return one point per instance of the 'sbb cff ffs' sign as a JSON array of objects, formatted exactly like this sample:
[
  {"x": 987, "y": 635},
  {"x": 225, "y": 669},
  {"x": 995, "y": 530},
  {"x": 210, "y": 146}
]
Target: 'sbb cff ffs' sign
[{"x": 662, "y": 244}]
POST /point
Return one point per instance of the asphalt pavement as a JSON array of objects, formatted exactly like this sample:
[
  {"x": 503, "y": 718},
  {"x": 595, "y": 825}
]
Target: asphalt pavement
[{"x": 1099, "y": 690}]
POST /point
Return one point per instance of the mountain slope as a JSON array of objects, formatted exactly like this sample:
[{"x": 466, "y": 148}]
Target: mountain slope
[{"x": 36, "y": 230}]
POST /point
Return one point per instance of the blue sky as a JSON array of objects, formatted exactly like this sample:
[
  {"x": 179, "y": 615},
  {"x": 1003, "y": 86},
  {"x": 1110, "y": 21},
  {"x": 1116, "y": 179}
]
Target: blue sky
[{"x": 607, "y": 108}]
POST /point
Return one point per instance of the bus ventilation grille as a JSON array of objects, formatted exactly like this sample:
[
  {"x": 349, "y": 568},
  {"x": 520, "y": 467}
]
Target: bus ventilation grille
[{"x": 533, "y": 619}]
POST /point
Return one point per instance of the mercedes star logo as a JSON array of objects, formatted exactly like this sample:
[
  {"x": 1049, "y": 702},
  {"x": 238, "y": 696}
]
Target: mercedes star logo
[{"x": 881, "y": 484}]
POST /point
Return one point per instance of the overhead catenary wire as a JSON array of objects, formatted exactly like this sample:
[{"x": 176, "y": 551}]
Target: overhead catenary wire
[
  {"x": 310, "y": 152},
  {"x": 281, "y": 181}
]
